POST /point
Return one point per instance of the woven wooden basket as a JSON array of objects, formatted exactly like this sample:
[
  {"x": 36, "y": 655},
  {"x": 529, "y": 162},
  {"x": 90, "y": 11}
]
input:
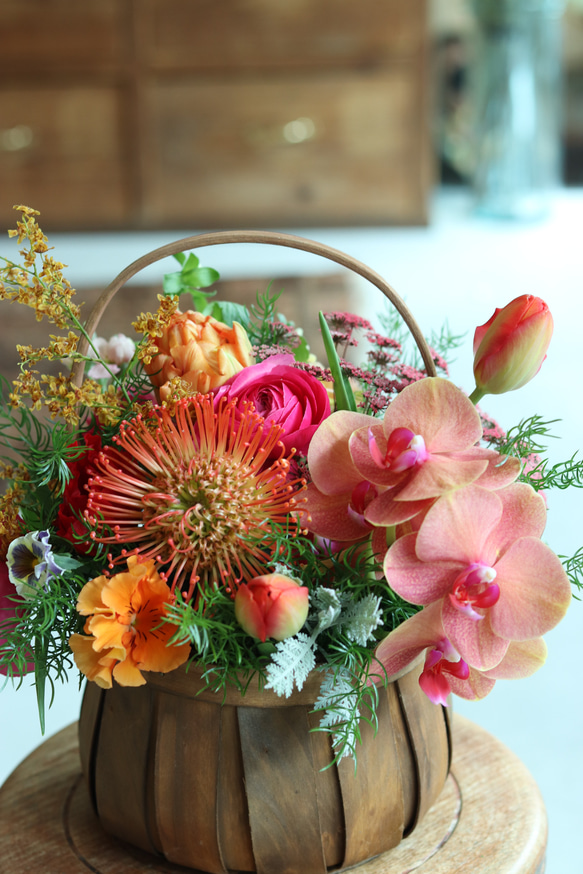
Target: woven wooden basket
[{"x": 244, "y": 783}]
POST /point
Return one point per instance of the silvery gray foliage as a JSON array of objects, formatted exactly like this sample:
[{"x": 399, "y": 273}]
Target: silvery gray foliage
[
  {"x": 291, "y": 663},
  {"x": 295, "y": 657},
  {"x": 361, "y": 619},
  {"x": 338, "y": 699}
]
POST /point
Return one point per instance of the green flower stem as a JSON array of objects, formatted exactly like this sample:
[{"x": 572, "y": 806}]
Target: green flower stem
[{"x": 477, "y": 395}]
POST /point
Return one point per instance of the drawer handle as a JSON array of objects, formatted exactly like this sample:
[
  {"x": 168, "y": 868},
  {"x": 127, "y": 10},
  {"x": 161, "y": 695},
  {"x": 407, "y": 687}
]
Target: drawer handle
[
  {"x": 299, "y": 130},
  {"x": 294, "y": 132},
  {"x": 16, "y": 139}
]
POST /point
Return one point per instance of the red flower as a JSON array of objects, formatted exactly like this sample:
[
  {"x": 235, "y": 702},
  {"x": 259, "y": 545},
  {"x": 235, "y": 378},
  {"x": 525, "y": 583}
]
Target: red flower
[{"x": 69, "y": 523}]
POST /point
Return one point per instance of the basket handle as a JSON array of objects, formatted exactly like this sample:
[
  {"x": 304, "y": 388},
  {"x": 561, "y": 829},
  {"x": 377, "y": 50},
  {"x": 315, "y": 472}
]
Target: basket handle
[{"x": 271, "y": 238}]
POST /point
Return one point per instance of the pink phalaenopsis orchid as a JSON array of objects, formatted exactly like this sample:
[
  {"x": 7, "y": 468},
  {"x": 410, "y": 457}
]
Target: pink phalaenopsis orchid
[
  {"x": 479, "y": 556},
  {"x": 368, "y": 473},
  {"x": 444, "y": 671}
]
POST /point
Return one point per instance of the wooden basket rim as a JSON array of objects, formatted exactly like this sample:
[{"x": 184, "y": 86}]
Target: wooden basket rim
[{"x": 272, "y": 238}]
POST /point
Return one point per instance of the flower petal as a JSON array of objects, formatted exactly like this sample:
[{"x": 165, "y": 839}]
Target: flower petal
[
  {"x": 473, "y": 638},
  {"x": 329, "y": 459},
  {"x": 534, "y": 591},
  {"x": 417, "y": 581}
]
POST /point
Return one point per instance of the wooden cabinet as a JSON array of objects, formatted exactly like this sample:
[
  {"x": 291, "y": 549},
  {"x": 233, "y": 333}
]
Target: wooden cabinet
[{"x": 159, "y": 113}]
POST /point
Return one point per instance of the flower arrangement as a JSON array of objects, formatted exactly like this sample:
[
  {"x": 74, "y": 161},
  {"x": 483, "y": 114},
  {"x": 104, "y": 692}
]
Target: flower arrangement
[{"x": 214, "y": 494}]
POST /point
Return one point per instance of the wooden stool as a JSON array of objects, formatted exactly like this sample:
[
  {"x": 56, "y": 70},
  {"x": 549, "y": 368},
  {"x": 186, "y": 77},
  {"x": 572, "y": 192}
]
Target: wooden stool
[{"x": 489, "y": 819}]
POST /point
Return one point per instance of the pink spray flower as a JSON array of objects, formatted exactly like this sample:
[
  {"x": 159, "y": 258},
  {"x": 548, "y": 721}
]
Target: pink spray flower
[
  {"x": 282, "y": 394},
  {"x": 272, "y": 605},
  {"x": 479, "y": 556},
  {"x": 444, "y": 671},
  {"x": 424, "y": 447},
  {"x": 511, "y": 346}
]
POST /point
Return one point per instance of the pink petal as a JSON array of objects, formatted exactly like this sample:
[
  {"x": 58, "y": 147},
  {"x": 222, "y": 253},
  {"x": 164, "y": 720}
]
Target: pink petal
[
  {"x": 524, "y": 514},
  {"x": 329, "y": 460},
  {"x": 414, "y": 580},
  {"x": 407, "y": 641},
  {"x": 475, "y": 687},
  {"x": 386, "y": 511},
  {"x": 363, "y": 460},
  {"x": 501, "y": 471},
  {"x": 329, "y": 516},
  {"x": 457, "y": 527},
  {"x": 440, "y": 474},
  {"x": 473, "y": 639},
  {"x": 522, "y": 659},
  {"x": 443, "y": 415},
  {"x": 534, "y": 591}
]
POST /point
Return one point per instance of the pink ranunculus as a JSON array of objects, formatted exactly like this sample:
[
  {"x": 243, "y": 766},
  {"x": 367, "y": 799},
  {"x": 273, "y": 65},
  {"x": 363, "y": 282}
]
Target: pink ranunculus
[
  {"x": 8, "y": 611},
  {"x": 511, "y": 346},
  {"x": 272, "y": 605},
  {"x": 284, "y": 395}
]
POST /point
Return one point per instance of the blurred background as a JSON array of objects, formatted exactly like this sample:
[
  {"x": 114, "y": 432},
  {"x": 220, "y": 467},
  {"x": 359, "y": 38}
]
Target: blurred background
[{"x": 438, "y": 141}]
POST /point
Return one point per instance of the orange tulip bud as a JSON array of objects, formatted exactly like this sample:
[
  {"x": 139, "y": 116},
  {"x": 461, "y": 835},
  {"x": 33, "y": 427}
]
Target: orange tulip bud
[
  {"x": 510, "y": 348},
  {"x": 271, "y": 606},
  {"x": 201, "y": 351}
]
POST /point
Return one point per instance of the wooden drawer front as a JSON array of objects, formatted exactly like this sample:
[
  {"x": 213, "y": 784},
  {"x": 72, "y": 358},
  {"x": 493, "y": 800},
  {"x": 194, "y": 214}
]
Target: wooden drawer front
[
  {"x": 52, "y": 35},
  {"x": 261, "y": 34},
  {"x": 220, "y": 153},
  {"x": 60, "y": 153}
]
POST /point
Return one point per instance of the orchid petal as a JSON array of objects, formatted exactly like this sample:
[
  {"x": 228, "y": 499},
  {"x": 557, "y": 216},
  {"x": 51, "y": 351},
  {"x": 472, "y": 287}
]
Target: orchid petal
[
  {"x": 534, "y": 591},
  {"x": 416, "y": 581},
  {"x": 474, "y": 641},
  {"x": 421, "y": 406},
  {"x": 329, "y": 516},
  {"x": 329, "y": 459},
  {"x": 457, "y": 527},
  {"x": 522, "y": 659}
]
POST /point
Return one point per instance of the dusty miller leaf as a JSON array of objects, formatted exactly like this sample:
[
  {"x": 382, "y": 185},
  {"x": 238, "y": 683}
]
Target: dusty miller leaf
[{"x": 291, "y": 663}]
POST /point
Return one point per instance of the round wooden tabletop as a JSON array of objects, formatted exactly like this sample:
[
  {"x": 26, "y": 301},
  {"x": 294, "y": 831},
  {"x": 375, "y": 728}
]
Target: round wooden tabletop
[{"x": 489, "y": 819}]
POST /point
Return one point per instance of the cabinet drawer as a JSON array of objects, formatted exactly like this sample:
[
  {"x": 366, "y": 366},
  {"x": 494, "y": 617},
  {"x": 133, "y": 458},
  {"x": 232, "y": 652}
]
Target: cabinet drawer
[
  {"x": 53, "y": 35},
  {"x": 272, "y": 34},
  {"x": 334, "y": 149},
  {"x": 60, "y": 153}
]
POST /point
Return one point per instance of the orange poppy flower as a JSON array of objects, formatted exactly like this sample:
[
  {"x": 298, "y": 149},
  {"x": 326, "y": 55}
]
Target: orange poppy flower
[{"x": 125, "y": 630}]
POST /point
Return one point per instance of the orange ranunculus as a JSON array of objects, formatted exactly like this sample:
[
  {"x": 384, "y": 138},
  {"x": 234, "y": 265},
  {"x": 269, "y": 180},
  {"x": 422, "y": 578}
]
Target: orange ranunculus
[
  {"x": 125, "y": 627},
  {"x": 201, "y": 351}
]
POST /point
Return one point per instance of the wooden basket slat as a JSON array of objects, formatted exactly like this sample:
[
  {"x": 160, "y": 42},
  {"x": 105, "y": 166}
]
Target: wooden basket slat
[
  {"x": 188, "y": 740},
  {"x": 281, "y": 790},
  {"x": 233, "y": 828},
  {"x": 332, "y": 826},
  {"x": 89, "y": 722},
  {"x": 407, "y": 763},
  {"x": 121, "y": 765},
  {"x": 373, "y": 796},
  {"x": 430, "y": 740}
]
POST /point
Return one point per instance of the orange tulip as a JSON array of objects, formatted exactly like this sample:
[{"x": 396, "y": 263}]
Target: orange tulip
[
  {"x": 200, "y": 350},
  {"x": 510, "y": 348},
  {"x": 125, "y": 629},
  {"x": 271, "y": 606}
]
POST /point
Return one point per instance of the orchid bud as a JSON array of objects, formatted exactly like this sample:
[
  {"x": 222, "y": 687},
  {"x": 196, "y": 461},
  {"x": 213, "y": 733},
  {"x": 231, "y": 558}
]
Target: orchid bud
[
  {"x": 510, "y": 348},
  {"x": 272, "y": 605}
]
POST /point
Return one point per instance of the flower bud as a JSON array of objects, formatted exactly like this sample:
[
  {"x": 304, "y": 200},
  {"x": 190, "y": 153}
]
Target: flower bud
[
  {"x": 200, "y": 350},
  {"x": 510, "y": 348},
  {"x": 271, "y": 606}
]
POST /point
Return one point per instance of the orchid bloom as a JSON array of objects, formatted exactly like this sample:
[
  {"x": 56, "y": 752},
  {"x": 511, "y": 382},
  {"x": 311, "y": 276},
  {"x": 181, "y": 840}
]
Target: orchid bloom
[
  {"x": 367, "y": 472},
  {"x": 479, "y": 556},
  {"x": 444, "y": 671}
]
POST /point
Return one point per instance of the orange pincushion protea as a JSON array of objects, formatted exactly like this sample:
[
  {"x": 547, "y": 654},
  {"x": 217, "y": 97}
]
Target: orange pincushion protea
[
  {"x": 195, "y": 492},
  {"x": 125, "y": 627}
]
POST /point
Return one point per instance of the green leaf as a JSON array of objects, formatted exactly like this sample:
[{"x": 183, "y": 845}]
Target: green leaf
[
  {"x": 343, "y": 393},
  {"x": 202, "y": 277},
  {"x": 172, "y": 283},
  {"x": 180, "y": 257},
  {"x": 231, "y": 312},
  {"x": 40, "y": 676}
]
